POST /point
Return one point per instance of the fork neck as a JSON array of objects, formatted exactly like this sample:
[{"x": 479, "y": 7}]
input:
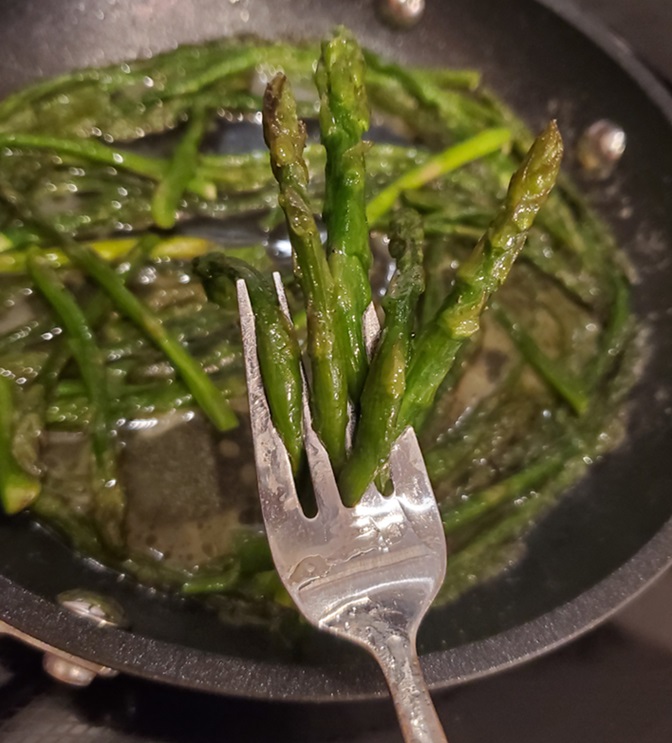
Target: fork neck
[{"x": 397, "y": 656}]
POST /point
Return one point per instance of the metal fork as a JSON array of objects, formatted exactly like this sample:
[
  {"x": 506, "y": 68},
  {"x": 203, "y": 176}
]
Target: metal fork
[{"x": 367, "y": 574}]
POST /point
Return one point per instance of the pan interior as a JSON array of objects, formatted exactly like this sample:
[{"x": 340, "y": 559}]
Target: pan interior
[{"x": 540, "y": 66}]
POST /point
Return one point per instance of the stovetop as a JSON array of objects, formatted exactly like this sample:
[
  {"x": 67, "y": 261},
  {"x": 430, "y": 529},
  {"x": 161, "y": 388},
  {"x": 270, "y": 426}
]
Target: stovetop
[{"x": 614, "y": 684}]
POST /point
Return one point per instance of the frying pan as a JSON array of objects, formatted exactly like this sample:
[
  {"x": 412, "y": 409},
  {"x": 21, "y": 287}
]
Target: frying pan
[{"x": 608, "y": 537}]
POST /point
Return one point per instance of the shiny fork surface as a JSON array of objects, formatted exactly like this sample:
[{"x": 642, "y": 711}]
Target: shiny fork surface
[{"x": 367, "y": 574}]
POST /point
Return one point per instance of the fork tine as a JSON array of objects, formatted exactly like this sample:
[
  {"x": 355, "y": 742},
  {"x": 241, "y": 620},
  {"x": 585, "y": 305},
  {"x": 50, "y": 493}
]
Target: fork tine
[
  {"x": 322, "y": 475},
  {"x": 407, "y": 469},
  {"x": 282, "y": 297},
  {"x": 370, "y": 329},
  {"x": 370, "y": 334},
  {"x": 328, "y": 498},
  {"x": 414, "y": 492},
  {"x": 277, "y": 493}
]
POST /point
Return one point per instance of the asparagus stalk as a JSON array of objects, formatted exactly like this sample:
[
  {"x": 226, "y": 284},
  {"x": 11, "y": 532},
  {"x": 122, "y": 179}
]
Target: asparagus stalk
[
  {"x": 385, "y": 382},
  {"x": 90, "y": 150},
  {"x": 180, "y": 172},
  {"x": 618, "y": 328},
  {"x": 479, "y": 504},
  {"x": 206, "y": 394},
  {"x": 570, "y": 389},
  {"x": 109, "y": 500},
  {"x": 18, "y": 488},
  {"x": 344, "y": 118},
  {"x": 477, "y": 278},
  {"x": 131, "y": 401},
  {"x": 175, "y": 247},
  {"x": 277, "y": 346},
  {"x": 285, "y": 137},
  {"x": 480, "y": 145}
]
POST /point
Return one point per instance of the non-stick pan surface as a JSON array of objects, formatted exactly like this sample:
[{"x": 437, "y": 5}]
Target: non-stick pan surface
[{"x": 607, "y": 538}]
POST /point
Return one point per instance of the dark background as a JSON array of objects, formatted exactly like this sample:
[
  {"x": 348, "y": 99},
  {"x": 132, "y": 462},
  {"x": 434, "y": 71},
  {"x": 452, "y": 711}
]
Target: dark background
[{"x": 613, "y": 685}]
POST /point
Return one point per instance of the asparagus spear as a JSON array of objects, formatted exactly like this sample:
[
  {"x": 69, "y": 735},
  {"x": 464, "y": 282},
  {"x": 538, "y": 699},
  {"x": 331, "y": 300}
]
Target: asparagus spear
[
  {"x": 278, "y": 348},
  {"x": 180, "y": 172},
  {"x": 481, "y": 144},
  {"x": 285, "y": 137},
  {"x": 175, "y": 247},
  {"x": 506, "y": 491},
  {"x": 344, "y": 118},
  {"x": 109, "y": 501},
  {"x": 18, "y": 488},
  {"x": 477, "y": 278},
  {"x": 385, "y": 382},
  {"x": 570, "y": 389},
  {"x": 209, "y": 398},
  {"x": 618, "y": 328},
  {"x": 90, "y": 150}
]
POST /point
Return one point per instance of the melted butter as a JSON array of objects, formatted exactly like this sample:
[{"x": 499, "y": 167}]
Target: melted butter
[{"x": 184, "y": 498}]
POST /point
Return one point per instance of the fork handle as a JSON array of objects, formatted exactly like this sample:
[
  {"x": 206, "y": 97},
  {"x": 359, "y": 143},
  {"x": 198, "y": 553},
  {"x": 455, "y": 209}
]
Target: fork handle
[{"x": 417, "y": 716}]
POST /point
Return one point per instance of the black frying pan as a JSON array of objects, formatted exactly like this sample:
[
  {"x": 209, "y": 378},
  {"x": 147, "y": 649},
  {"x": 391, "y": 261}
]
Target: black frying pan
[{"x": 606, "y": 540}]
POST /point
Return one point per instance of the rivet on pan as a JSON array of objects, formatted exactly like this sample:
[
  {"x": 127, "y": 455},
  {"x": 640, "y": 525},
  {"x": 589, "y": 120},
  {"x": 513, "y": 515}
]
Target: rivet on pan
[
  {"x": 103, "y": 611},
  {"x": 401, "y": 13},
  {"x": 66, "y": 671},
  {"x": 600, "y": 147}
]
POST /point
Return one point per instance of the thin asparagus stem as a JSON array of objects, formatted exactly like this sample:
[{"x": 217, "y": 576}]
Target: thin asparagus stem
[
  {"x": 18, "y": 488},
  {"x": 570, "y": 389},
  {"x": 477, "y": 278},
  {"x": 181, "y": 170},
  {"x": 109, "y": 500},
  {"x": 478, "y": 504},
  {"x": 385, "y": 382},
  {"x": 277, "y": 346},
  {"x": 93, "y": 151},
  {"x": 209, "y": 398},
  {"x": 285, "y": 137},
  {"x": 344, "y": 118},
  {"x": 480, "y": 145}
]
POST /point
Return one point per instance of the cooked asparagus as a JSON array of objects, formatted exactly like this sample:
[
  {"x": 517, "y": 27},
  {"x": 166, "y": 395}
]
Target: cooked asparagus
[
  {"x": 72, "y": 158},
  {"x": 285, "y": 137},
  {"x": 482, "y": 273},
  {"x": 386, "y": 381},
  {"x": 278, "y": 347},
  {"x": 344, "y": 118}
]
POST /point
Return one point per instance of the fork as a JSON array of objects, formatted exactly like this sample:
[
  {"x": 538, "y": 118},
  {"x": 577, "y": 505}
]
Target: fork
[{"x": 367, "y": 574}]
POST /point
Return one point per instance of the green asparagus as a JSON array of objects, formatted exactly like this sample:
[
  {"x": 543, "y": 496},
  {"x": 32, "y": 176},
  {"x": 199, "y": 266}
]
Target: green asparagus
[
  {"x": 285, "y": 137},
  {"x": 277, "y": 345},
  {"x": 480, "y": 145},
  {"x": 109, "y": 499},
  {"x": 344, "y": 118},
  {"x": 205, "y": 393},
  {"x": 180, "y": 172},
  {"x": 477, "y": 278},
  {"x": 386, "y": 380},
  {"x": 501, "y": 440},
  {"x": 18, "y": 488}
]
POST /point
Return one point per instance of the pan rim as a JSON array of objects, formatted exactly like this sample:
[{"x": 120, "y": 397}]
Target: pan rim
[
  {"x": 200, "y": 670},
  {"x": 206, "y": 671}
]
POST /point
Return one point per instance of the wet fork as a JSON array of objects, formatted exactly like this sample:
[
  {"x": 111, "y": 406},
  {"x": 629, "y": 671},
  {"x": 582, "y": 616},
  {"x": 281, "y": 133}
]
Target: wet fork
[{"x": 368, "y": 573}]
